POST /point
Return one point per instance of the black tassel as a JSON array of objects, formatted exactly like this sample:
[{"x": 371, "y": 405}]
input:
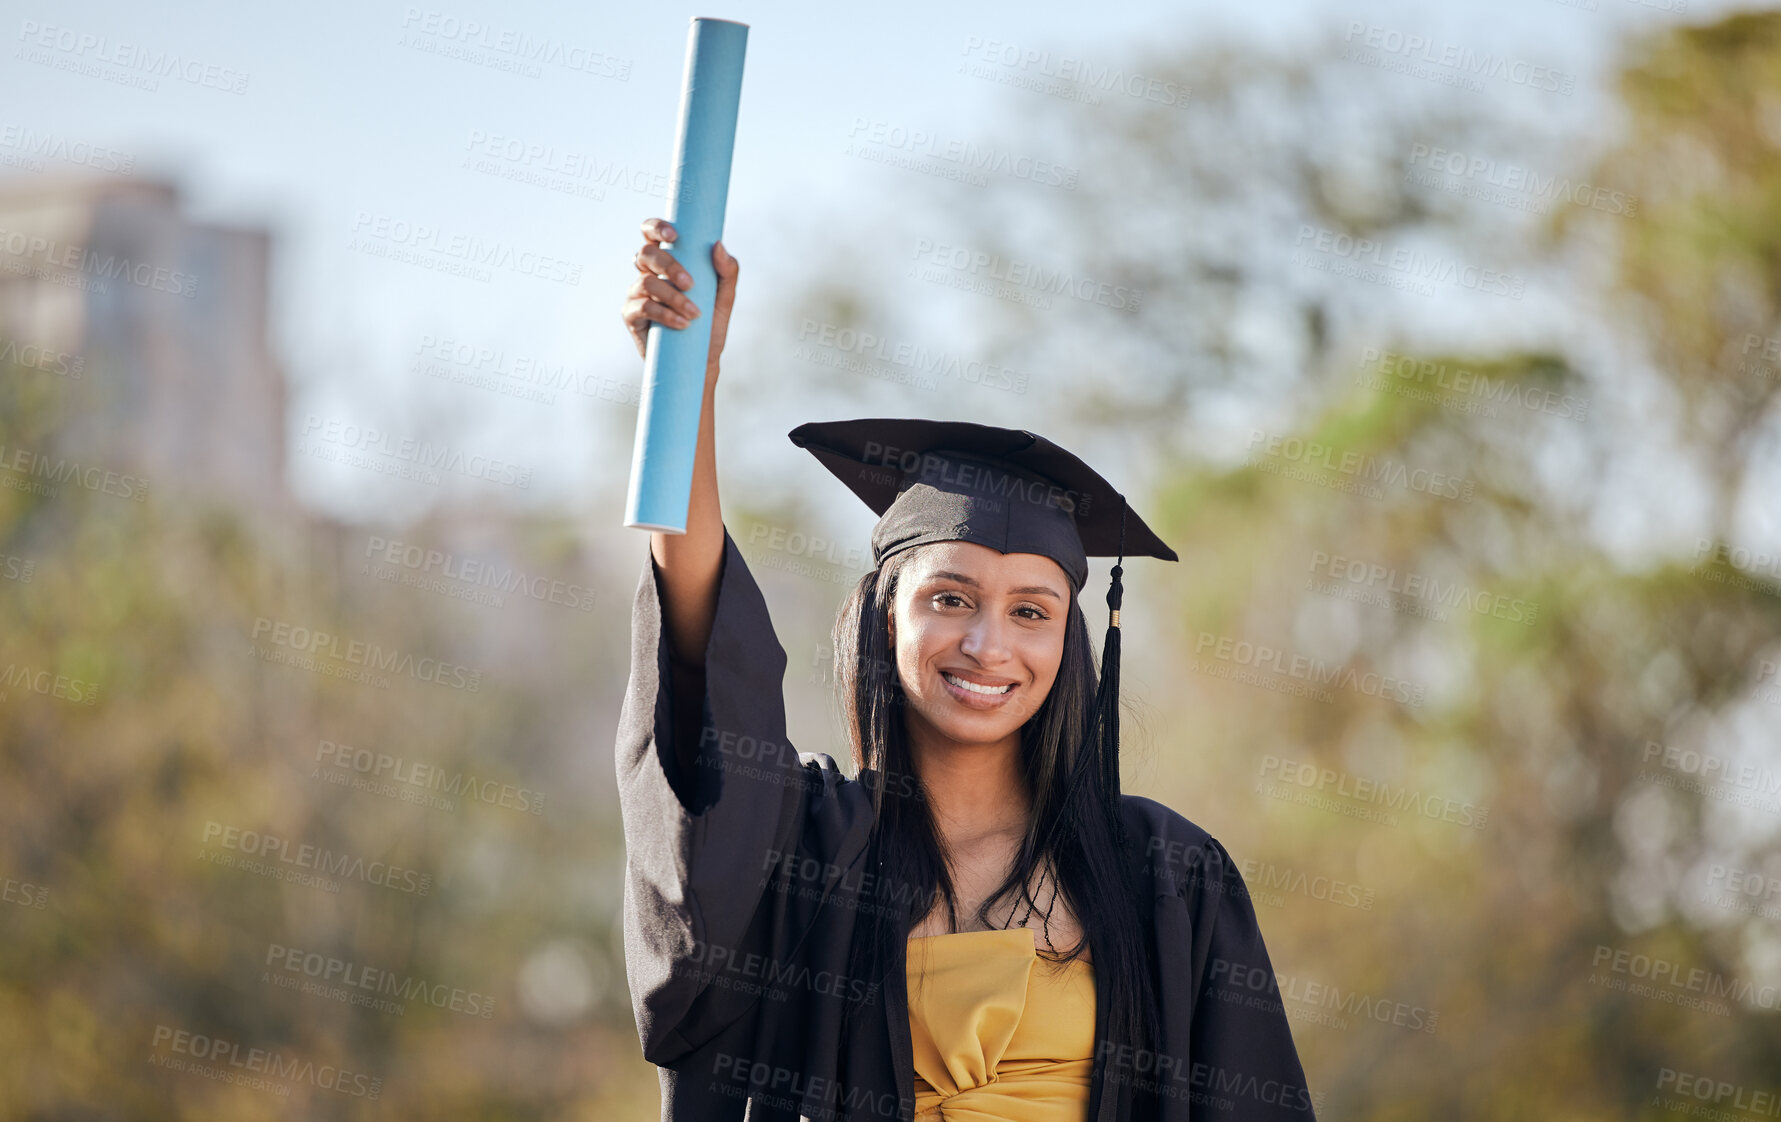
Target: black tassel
[
  {"x": 1107, "y": 694},
  {"x": 1101, "y": 751}
]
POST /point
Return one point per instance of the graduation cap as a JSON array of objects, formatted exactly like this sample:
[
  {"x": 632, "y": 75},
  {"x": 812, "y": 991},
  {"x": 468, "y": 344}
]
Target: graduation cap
[{"x": 1009, "y": 489}]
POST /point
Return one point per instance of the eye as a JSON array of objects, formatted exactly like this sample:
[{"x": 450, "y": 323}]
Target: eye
[
  {"x": 1038, "y": 613},
  {"x": 944, "y": 597}
]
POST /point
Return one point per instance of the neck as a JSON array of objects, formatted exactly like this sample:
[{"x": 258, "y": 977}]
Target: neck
[{"x": 974, "y": 791}]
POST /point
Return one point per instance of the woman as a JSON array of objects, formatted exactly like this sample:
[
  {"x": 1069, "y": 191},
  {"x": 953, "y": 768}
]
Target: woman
[{"x": 980, "y": 925}]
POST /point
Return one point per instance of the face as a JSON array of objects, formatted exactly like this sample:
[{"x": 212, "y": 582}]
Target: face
[{"x": 967, "y": 615}]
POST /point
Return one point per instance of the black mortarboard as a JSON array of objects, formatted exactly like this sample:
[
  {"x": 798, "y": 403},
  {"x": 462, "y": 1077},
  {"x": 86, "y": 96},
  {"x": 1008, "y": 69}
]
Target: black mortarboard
[{"x": 1009, "y": 489}]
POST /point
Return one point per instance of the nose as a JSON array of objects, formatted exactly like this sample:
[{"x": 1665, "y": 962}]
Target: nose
[{"x": 986, "y": 641}]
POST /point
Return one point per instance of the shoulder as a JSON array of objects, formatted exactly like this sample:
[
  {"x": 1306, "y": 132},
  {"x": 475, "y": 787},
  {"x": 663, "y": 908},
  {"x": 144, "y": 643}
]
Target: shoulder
[
  {"x": 1172, "y": 850},
  {"x": 1160, "y": 823},
  {"x": 826, "y": 775},
  {"x": 821, "y": 769}
]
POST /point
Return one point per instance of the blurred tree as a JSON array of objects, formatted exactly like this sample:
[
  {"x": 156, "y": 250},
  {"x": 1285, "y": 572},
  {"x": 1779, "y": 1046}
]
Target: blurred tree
[
  {"x": 1540, "y": 483},
  {"x": 151, "y": 920},
  {"x": 1462, "y": 970}
]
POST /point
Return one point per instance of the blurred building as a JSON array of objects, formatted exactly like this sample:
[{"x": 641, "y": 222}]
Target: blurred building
[
  {"x": 155, "y": 328},
  {"x": 158, "y": 325}
]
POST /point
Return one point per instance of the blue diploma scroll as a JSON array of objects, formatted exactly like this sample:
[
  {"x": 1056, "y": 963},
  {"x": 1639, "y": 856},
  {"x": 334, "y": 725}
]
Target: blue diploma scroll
[{"x": 674, "y": 358}]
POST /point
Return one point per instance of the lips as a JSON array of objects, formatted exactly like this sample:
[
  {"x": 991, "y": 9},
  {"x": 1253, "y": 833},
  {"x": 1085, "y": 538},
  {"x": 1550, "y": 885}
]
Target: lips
[
  {"x": 975, "y": 694},
  {"x": 979, "y": 684}
]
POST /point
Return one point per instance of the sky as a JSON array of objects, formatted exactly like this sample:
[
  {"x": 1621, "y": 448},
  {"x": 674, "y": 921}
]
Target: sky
[{"x": 348, "y": 128}]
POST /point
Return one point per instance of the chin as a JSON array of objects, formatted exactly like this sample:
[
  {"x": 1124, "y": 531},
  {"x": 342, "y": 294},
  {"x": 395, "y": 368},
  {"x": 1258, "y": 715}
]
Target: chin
[
  {"x": 966, "y": 727},
  {"x": 965, "y": 733}
]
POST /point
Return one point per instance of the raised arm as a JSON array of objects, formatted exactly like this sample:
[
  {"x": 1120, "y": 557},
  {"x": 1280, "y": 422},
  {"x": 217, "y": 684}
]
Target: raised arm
[
  {"x": 723, "y": 818},
  {"x": 687, "y": 565}
]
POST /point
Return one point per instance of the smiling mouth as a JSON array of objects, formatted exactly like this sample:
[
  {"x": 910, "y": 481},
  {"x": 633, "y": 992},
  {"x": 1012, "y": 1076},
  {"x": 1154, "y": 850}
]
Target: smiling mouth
[{"x": 973, "y": 687}]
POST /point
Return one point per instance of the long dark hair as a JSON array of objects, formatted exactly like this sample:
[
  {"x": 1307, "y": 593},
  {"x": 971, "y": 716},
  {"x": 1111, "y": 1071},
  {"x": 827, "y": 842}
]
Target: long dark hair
[{"x": 1072, "y": 832}]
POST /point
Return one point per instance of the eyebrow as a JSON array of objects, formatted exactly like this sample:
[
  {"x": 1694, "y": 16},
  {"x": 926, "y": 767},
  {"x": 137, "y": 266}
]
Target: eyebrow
[{"x": 1029, "y": 590}]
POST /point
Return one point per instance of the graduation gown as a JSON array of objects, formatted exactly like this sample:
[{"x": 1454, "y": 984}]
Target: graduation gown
[{"x": 745, "y": 875}]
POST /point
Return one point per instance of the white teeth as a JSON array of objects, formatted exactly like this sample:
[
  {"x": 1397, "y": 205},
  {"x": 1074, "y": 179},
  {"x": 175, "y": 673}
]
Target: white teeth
[{"x": 973, "y": 686}]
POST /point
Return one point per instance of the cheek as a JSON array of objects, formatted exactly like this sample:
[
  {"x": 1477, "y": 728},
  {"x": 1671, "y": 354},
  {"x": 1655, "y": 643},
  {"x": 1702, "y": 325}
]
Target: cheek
[
  {"x": 1044, "y": 657},
  {"x": 917, "y": 644}
]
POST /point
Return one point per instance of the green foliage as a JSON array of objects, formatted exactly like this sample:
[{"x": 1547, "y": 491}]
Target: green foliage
[
  {"x": 107, "y": 806},
  {"x": 1456, "y": 887}
]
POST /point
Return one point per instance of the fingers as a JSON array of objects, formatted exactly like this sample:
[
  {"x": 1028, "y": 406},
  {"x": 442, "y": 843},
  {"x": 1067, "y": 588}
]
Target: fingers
[
  {"x": 652, "y": 258},
  {"x": 653, "y": 299},
  {"x": 660, "y": 292},
  {"x": 656, "y": 261},
  {"x": 638, "y": 313},
  {"x": 727, "y": 266},
  {"x": 658, "y": 295}
]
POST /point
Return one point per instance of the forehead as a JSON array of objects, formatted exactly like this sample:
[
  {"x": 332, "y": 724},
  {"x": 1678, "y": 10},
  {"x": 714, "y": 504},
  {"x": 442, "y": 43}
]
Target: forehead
[{"x": 990, "y": 568}]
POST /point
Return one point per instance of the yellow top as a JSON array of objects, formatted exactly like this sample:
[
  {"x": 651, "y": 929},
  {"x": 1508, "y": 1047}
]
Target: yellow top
[{"x": 999, "y": 1033}]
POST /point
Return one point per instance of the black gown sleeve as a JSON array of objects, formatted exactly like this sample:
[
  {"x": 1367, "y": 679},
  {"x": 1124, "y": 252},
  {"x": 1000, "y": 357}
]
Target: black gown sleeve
[
  {"x": 703, "y": 846},
  {"x": 1244, "y": 1064}
]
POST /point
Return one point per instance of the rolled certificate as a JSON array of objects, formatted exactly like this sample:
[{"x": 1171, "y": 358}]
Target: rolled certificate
[{"x": 674, "y": 358}]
